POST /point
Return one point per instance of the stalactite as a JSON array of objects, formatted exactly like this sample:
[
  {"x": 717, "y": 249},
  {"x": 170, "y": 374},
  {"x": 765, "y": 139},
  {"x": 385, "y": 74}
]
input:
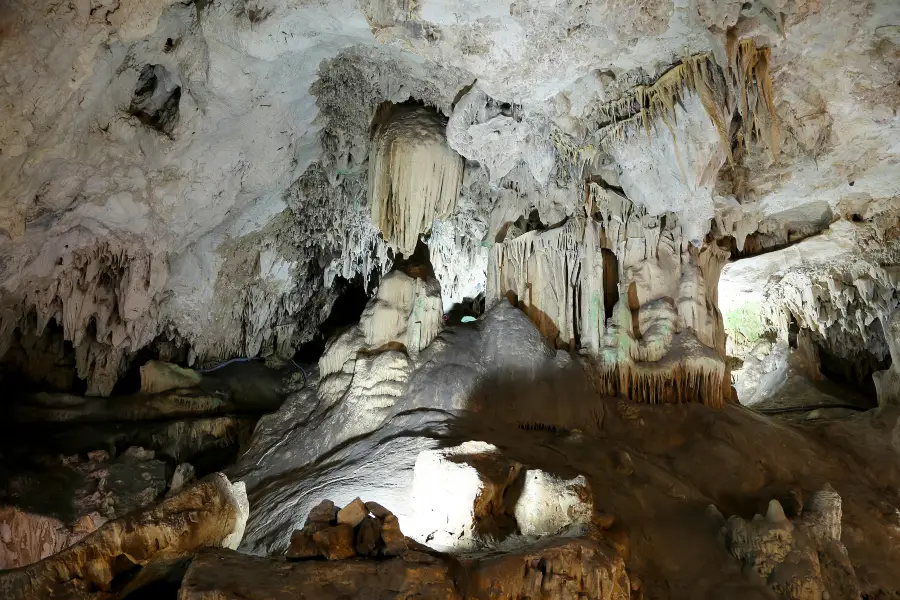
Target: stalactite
[
  {"x": 542, "y": 270},
  {"x": 664, "y": 341},
  {"x": 747, "y": 89},
  {"x": 106, "y": 298},
  {"x": 414, "y": 176},
  {"x": 690, "y": 372}
]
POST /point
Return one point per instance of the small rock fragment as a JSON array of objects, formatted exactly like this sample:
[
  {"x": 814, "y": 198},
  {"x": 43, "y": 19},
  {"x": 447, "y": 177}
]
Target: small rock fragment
[
  {"x": 136, "y": 453},
  {"x": 378, "y": 510},
  {"x": 98, "y": 455},
  {"x": 184, "y": 474},
  {"x": 336, "y": 543},
  {"x": 353, "y": 513},
  {"x": 302, "y": 545},
  {"x": 368, "y": 537},
  {"x": 324, "y": 512},
  {"x": 394, "y": 540}
]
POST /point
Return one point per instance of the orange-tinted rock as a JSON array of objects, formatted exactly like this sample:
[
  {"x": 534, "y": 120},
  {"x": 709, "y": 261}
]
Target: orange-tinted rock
[
  {"x": 603, "y": 520},
  {"x": 336, "y": 543},
  {"x": 394, "y": 540},
  {"x": 210, "y": 513},
  {"x": 378, "y": 510},
  {"x": 225, "y": 575},
  {"x": 561, "y": 568},
  {"x": 302, "y": 545}
]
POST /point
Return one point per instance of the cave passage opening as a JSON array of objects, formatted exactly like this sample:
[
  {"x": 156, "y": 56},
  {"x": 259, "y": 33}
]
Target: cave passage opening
[{"x": 346, "y": 311}]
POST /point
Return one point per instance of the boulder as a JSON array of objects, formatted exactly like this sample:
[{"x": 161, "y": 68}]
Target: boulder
[
  {"x": 458, "y": 494},
  {"x": 378, "y": 510},
  {"x": 158, "y": 376},
  {"x": 368, "y": 537},
  {"x": 393, "y": 538},
  {"x": 324, "y": 512},
  {"x": 549, "y": 504},
  {"x": 353, "y": 513},
  {"x": 302, "y": 545},
  {"x": 113, "y": 558},
  {"x": 336, "y": 543}
]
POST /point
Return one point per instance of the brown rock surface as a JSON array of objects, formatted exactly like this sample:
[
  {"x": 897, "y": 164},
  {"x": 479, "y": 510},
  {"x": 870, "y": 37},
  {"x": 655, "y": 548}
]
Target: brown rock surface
[
  {"x": 353, "y": 513},
  {"x": 368, "y": 537},
  {"x": 560, "y": 568},
  {"x": 211, "y": 513},
  {"x": 394, "y": 541},
  {"x": 336, "y": 542},
  {"x": 378, "y": 510},
  {"x": 563, "y": 568},
  {"x": 26, "y": 538},
  {"x": 302, "y": 545},
  {"x": 324, "y": 512},
  {"x": 224, "y": 575}
]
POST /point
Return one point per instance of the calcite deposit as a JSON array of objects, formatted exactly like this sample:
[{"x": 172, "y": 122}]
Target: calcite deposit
[{"x": 547, "y": 279}]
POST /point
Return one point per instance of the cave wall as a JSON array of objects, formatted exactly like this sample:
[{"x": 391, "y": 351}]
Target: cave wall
[{"x": 196, "y": 173}]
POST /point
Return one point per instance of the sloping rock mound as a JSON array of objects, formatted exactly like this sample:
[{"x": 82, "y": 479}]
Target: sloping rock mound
[
  {"x": 124, "y": 554},
  {"x": 574, "y": 568}
]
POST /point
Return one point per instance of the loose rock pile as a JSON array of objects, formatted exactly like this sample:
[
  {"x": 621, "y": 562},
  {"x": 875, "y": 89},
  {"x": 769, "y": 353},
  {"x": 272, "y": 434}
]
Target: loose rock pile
[{"x": 360, "y": 528}]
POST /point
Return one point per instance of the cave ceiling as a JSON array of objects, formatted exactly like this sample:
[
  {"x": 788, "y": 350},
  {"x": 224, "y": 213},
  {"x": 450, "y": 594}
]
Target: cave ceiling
[{"x": 199, "y": 172}]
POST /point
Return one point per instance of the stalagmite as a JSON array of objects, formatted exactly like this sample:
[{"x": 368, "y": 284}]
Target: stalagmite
[
  {"x": 414, "y": 176},
  {"x": 403, "y": 318}
]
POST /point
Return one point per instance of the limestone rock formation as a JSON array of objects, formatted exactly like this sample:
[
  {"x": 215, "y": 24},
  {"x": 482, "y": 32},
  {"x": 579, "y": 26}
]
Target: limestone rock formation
[
  {"x": 801, "y": 559},
  {"x": 112, "y": 559},
  {"x": 888, "y": 382},
  {"x": 490, "y": 265},
  {"x": 656, "y": 323},
  {"x": 414, "y": 176},
  {"x": 560, "y": 569},
  {"x": 203, "y": 176}
]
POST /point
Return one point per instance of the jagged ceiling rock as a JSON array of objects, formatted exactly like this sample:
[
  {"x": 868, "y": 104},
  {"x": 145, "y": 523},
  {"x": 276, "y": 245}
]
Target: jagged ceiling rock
[
  {"x": 841, "y": 285},
  {"x": 195, "y": 172}
]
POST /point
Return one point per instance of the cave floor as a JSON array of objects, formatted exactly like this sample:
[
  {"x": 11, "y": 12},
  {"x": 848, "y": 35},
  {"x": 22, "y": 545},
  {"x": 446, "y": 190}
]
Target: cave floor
[{"x": 657, "y": 469}]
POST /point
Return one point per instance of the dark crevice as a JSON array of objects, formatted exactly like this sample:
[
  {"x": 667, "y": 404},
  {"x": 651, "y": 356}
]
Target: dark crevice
[
  {"x": 346, "y": 311},
  {"x": 853, "y": 372}
]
